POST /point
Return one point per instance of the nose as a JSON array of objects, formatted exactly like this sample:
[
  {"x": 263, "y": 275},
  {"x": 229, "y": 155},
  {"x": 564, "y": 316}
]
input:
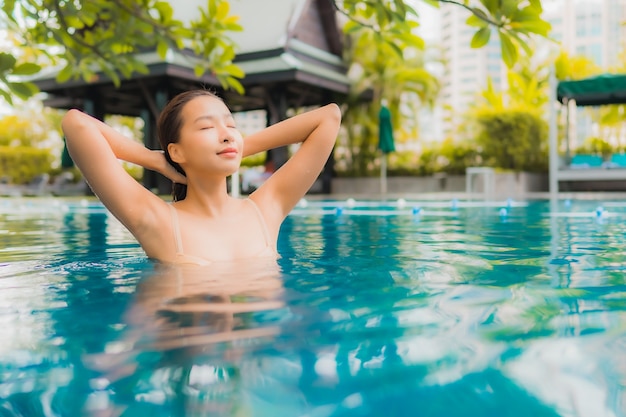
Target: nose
[{"x": 226, "y": 135}]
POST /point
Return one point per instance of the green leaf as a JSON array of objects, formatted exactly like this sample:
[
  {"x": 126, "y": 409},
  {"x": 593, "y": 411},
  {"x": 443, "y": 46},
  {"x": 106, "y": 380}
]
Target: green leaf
[
  {"x": 65, "y": 74},
  {"x": 162, "y": 48},
  {"x": 509, "y": 51},
  {"x": 109, "y": 72},
  {"x": 165, "y": 10},
  {"x": 7, "y": 61},
  {"x": 140, "y": 67},
  {"x": 234, "y": 71},
  {"x": 199, "y": 70},
  {"x": 233, "y": 27},
  {"x": 481, "y": 37},
  {"x": 538, "y": 27},
  {"x": 508, "y": 7},
  {"x": 433, "y": 3},
  {"x": 536, "y": 4},
  {"x": 491, "y": 5},
  {"x": 479, "y": 14},
  {"x": 22, "y": 90},
  {"x": 413, "y": 40},
  {"x": 400, "y": 7},
  {"x": 351, "y": 26},
  {"x": 528, "y": 13},
  {"x": 9, "y": 10},
  {"x": 6, "y": 96},
  {"x": 212, "y": 7},
  {"x": 73, "y": 21},
  {"x": 235, "y": 84},
  {"x": 222, "y": 10},
  {"x": 525, "y": 46},
  {"x": 27, "y": 68},
  {"x": 395, "y": 47},
  {"x": 475, "y": 21}
]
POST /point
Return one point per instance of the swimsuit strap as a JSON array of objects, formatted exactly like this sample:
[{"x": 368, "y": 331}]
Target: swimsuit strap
[
  {"x": 262, "y": 221},
  {"x": 176, "y": 229}
]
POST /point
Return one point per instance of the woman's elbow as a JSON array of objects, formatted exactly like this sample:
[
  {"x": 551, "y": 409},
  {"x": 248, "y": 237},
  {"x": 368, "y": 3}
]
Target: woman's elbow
[
  {"x": 334, "y": 112},
  {"x": 73, "y": 119}
]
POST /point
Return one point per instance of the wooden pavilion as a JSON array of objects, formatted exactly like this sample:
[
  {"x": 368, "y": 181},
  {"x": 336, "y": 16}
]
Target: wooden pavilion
[{"x": 290, "y": 51}]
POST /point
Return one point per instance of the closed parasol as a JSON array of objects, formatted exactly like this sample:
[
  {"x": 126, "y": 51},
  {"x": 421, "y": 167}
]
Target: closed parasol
[
  {"x": 66, "y": 159},
  {"x": 385, "y": 143}
]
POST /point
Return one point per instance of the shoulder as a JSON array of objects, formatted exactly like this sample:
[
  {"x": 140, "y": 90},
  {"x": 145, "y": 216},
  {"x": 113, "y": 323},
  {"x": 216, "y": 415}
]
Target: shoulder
[
  {"x": 269, "y": 210},
  {"x": 154, "y": 229}
]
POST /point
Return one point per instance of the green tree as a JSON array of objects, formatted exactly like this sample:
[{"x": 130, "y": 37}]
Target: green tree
[
  {"x": 574, "y": 67},
  {"x": 87, "y": 37},
  {"x": 514, "y": 21},
  {"x": 507, "y": 126},
  {"x": 378, "y": 70},
  {"x": 387, "y": 60}
]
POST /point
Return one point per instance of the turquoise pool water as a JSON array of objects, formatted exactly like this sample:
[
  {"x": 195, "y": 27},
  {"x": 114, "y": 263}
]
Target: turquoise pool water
[{"x": 375, "y": 309}]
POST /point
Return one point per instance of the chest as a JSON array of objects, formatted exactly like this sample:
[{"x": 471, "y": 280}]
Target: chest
[{"x": 225, "y": 238}]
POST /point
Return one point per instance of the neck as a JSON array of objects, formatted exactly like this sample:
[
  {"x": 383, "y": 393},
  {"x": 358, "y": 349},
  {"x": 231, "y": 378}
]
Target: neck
[{"x": 206, "y": 197}]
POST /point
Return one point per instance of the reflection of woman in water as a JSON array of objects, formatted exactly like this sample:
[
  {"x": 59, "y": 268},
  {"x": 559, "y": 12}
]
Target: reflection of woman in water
[
  {"x": 190, "y": 338},
  {"x": 201, "y": 148}
]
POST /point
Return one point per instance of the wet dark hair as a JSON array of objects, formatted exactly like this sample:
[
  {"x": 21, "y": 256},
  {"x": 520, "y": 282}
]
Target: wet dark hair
[{"x": 168, "y": 130}]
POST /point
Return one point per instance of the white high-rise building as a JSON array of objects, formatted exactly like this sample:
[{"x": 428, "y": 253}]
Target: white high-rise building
[
  {"x": 466, "y": 69},
  {"x": 593, "y": 28}
]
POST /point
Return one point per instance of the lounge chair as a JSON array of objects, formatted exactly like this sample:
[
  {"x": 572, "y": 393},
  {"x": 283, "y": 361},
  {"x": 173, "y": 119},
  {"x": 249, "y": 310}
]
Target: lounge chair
[
  {"x": 618, "y": 160},
  {"x": 586, "y": 161}
]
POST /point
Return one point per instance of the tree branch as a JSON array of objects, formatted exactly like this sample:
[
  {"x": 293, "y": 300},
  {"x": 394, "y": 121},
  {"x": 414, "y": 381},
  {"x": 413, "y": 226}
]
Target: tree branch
[
  {"x": 482, "y": 17},
  {"x": 343, "y": 12},
  {"x": 77, "y": 39},
  {"x": 158, "y": 27}
]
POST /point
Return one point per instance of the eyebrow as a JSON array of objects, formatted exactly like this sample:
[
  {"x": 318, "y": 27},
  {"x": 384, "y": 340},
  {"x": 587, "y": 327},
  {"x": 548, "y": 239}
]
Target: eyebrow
[{"x": 213, "y": 117}]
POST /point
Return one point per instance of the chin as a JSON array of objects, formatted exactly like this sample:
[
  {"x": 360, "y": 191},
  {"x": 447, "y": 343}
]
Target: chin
[{"x": 233, "y": 170}]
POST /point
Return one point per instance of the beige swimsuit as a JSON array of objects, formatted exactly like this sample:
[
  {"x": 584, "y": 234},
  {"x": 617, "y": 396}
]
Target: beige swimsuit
[{"x": 268, "y": 251}]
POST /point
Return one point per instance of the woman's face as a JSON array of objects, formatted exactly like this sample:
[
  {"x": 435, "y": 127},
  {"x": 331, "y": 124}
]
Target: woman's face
[{"x": 209, "y": 140}]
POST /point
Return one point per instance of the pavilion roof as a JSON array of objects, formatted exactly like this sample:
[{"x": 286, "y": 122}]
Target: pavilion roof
[
  {"x": 594, "y": 91},
  {"x": 290, "y": 44}
]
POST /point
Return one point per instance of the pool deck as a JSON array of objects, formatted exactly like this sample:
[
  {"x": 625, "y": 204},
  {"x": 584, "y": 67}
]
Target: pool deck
[
  {"x": 439, "y": 196},
  {"x": 16, "y": 192}
]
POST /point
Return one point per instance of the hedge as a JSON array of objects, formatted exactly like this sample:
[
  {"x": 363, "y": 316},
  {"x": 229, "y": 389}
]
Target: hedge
[
  {"x": 21, "y": 164},
  {"x": 514, "y": 140}
]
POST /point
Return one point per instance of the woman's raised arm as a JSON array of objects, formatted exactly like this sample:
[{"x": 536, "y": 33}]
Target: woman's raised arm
[
  {"x": 317, "y": 131},
  {"x": 95, "y": 148}
]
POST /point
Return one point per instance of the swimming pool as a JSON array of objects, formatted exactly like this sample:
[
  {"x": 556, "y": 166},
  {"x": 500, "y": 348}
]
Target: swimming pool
[{"x": 397, "y": 308}]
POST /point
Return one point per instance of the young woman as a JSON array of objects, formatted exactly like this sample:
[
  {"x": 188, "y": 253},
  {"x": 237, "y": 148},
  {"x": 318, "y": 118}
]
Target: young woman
[{"x": 201, "y": 148}]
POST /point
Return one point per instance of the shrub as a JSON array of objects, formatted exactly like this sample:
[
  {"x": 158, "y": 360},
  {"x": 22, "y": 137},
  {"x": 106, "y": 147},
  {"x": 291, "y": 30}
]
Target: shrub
[
  {"x": 456, "y": 156},
  {"x": 513, "y": 139},
  {"x": 403, "y": 163},
  {"x": 21, "y": 164},
  {"x": 595, "y": 146}
]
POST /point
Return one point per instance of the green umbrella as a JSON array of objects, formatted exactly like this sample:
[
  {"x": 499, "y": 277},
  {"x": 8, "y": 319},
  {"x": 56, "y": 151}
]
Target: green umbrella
[
  {"x": 385, "y": 143},
  {"x": 385, "y": 131},
  {"x": 66, "y": 159}
]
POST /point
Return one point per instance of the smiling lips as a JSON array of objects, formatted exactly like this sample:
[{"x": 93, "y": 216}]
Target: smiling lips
[{"x": 230, "y": 152}]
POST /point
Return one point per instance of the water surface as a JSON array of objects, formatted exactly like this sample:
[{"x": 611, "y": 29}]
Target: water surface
[{"x": 392, "y": 309}]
